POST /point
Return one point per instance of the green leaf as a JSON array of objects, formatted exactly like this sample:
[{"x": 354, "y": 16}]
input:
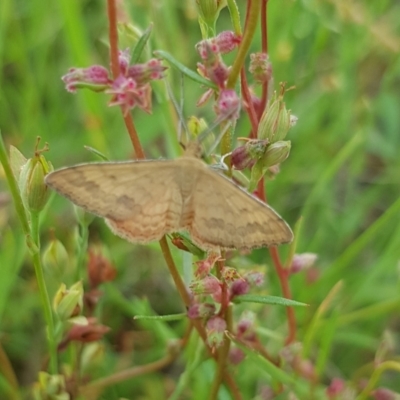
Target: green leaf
[
  {"x": 97, "y": 153},
  {"x": 185, "y": 70},
  {"x": 274, "y": 300},
  {"x": 138, "y": 50},
  {"x": 172, "y": 317}
]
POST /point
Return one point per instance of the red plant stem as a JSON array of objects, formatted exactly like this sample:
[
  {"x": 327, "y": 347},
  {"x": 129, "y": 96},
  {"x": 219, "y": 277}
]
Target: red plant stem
[
  {"x": 113, "y": 38},
  {"x": 249, "y": 104},
  {"x": 283, "y": 275},
  {"x": 264, "y": 49}
]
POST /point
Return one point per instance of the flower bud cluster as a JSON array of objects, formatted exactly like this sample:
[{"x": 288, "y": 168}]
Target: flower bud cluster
[
  {"x": 208, "y": 292},
  {"x": 130, "y": 89},
  {"x": 270, "y": 148}
]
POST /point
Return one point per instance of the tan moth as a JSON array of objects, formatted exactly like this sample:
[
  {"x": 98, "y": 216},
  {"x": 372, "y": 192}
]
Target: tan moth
[{"x": 143, "y": 200}]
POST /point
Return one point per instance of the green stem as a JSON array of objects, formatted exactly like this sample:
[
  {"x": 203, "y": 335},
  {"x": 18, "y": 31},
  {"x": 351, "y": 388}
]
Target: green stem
[
  {"x": 44, "y": 295},
  {"x": 246, "y": 42},
  {"x": 387, "y": 365},
  {"x": 83, "y": 245},
  {"x": 32, "y": 240}
]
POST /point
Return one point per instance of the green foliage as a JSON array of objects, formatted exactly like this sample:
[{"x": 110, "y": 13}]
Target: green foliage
[{"x": 341, "y": 177}]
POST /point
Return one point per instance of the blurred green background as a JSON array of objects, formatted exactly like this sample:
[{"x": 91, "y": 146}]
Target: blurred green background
[{"x": 342, "y": 175}]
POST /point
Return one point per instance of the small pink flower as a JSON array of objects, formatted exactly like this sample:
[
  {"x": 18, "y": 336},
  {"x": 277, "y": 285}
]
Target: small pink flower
[
  {"x": 260, "y": 67},
  {"x": 94, "y": 77},
  {"x": 144, "y": 73},
  {"x": 246, "y": 326},
  {"x": 254, "y": 278},
  {"x": 236, "y": 356},
  {"x": 335, "y": 388},
  {"x": 201, "y": 310},
  {"x": 385, "y": 394},
  {"x": 91, "y": 332},
  {"x": 213, "y": 66},
  {"x": 124, "y": 58},
  {"x": 227, "y": 41},
  {"x": 228, "y": 104},
  {"x": 238, "y": 287},
  {"x": 204, "y": 266},
  {"x": 207, "y": 49},
  {"x": 215, "y": 329},
  {"x": 302, "y": 262},
  {"x": 209, "y": 285},
  {"x": 127, "y": 94}
]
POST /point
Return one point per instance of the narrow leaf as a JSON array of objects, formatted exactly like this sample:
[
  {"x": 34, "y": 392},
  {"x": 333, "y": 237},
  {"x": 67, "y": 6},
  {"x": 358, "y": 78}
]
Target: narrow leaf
[
  {"x": 185, "y": 70},
  {"x": 274, "y": 300}
]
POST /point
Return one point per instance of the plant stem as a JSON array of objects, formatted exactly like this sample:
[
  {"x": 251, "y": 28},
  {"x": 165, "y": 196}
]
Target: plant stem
[
  {"x": 32, "y": 233},
  {"x": 251, "y": 25},
  {"x": 44, "y": 295},
  {"x": 83, "y": 245}
]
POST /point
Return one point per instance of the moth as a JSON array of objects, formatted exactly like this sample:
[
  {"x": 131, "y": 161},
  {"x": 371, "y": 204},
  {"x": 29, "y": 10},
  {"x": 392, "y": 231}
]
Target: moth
[{"x": 142, "y": 201}]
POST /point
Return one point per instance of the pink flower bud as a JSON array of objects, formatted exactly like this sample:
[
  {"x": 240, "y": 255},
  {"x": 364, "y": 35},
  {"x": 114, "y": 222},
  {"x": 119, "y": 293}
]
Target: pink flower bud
[
  {"x": 90, "y": 332},
  {"x": 246, "y": 156},
  {"x": 127, "y": 94},
  {"x": 144, "y": 73},
  {"x": 208, "y": 285},
  {"x": 246, "y": 326},
  {"x": 302, "y": 261},
  {"x": 124, "y": 58},
  {"x": 215, "y": 329},
  {"x": 201, "y": 310},
  {"x": 227, "y": 41},
  {"x": 236, "y": 356},
  {"x": 335, "y": 388},
  {"x": 238, "y": 287},
  {"x": 95, "y": 78},
  {"x": 260, "y": 67},
  {"x": 228, "y": 104},
  {"x": 385, "y": 394},
  {"x": 204, "y": 266},
  {"x": 254, "y": 278}
]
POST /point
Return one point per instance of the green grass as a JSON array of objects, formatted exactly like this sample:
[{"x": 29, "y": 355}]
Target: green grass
[{"x": 342, "y": 177}]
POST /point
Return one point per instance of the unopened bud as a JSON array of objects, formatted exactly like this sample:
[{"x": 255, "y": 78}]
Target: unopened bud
[
  {"x": 94, "y": 78},
  {"x": 260, "y": 67},
  {"x": 215, "y": 329},
  {"x": 228, "y": 104},
  {"x": 201, "y": 310},
  {"x": 245, "y": 156},
  {"x": 246, "y": 326},
  {"x": 208, "y": 285},
  {"x": 34, "y": 191},
  {"x": 68, "y": 303},
  {"x": 149, "y": 71},
  {"x": 84, "y": 218},
  {"x": 276, "y": 153},
  {"x": 335, "y": 389},
  {"x": 90, "y": 332},
  {"x": 275, "y": 121},
  {"x": 385, "y": 394},
  {"x": 55, "y": 257},
  {"x": 209, "y": 10},
  {"x": 302, "y": 261},
  {"x": 92, "y": 355},
  {"x": 17, "y": 161},
  {"x": 50, "y": 387},
  {"x": 238, "y": 287}
]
